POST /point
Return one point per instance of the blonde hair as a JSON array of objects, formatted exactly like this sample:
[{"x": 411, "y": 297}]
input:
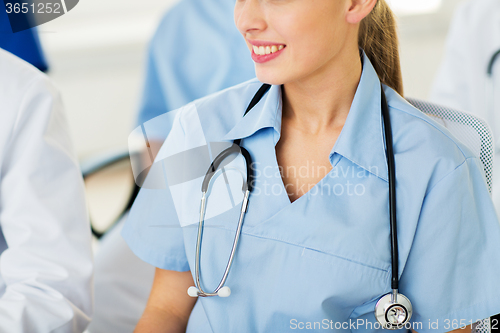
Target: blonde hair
[{"x": 378, "y": 38}]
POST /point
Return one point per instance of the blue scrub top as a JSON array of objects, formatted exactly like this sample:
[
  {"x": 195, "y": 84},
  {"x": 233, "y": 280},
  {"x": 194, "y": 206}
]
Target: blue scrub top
[
  {"x": 323, "y": 261},
  {"x": 195, "y": 51}
]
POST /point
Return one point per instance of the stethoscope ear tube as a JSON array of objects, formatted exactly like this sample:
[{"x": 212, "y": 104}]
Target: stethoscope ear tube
[
  {"x": 248, "y": 185},
  {"x": 215, "y": 165}
]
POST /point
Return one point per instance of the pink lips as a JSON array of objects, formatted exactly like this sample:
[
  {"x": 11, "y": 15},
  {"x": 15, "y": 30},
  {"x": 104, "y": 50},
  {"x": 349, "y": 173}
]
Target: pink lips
[{"x": 266, "y": 57}]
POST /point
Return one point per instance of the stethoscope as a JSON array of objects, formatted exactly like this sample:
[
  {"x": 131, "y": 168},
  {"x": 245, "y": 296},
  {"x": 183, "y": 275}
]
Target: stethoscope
[
  {"x": 393, "y": 310},
  {"x": 490, "y": 98}
]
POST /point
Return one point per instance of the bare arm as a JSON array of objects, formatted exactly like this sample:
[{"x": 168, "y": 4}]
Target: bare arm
[{"x": 169, "y": 306}]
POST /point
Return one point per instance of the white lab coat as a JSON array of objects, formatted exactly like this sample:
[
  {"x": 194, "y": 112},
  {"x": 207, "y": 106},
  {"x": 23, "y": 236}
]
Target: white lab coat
[
  {"x": 45, "y": 254},
  {"x": 461, "y": 82}
]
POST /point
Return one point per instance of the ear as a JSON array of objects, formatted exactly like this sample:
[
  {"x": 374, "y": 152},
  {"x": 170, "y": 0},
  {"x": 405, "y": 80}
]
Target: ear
[{"x": 359, "y": 9}]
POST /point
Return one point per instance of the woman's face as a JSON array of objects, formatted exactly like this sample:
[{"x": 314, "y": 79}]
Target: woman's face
[{"x": 294, "y": 39}]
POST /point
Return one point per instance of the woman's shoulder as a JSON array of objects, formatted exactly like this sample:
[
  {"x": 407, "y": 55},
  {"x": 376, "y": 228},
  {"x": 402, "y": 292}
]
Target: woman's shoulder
[{"x": 429, "y": 143}]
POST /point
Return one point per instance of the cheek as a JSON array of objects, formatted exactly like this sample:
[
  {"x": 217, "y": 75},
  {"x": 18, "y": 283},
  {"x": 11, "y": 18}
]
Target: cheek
[
  {"x": 317, "y": 27},
  {"x": 316, "y": 41}
]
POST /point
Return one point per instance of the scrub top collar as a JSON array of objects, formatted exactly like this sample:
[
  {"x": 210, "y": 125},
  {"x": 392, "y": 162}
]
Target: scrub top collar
[
  {"x": 267, "y": 113},
  {"x": 361, "y": 140}
]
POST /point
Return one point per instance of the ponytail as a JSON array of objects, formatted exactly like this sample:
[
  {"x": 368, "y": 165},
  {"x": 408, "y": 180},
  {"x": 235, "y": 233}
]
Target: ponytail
[{"x": 378, "y": 38}]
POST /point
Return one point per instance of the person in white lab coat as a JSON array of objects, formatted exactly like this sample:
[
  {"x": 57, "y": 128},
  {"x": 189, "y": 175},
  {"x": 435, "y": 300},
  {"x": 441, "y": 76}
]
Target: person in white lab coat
[
  {"x": 462, "y": 81},
  {"x": 45, "y": 254}
]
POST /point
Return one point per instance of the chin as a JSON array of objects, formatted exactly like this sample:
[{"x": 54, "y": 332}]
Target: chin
[{"x": 271, "y": 77}]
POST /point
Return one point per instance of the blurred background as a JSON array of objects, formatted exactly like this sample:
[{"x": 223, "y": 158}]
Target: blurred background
[{"x": 96, "y": 54}]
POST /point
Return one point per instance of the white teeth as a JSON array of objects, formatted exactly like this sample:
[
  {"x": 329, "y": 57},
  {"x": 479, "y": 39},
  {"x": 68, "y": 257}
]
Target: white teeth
[{"x": 263, "y": 50}]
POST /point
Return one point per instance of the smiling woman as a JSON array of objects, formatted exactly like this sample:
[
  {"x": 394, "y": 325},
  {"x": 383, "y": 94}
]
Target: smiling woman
[{"x": 316, "y": 242}]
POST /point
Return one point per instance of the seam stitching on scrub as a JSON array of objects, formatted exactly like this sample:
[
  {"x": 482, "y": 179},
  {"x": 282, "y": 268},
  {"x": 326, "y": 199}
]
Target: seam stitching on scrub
[
  {"x": 359, "y": 165},
  {"x": 449, "y": 173},
  {"x": 305, "y": 247},
  {"x": 344, "y": 258}
]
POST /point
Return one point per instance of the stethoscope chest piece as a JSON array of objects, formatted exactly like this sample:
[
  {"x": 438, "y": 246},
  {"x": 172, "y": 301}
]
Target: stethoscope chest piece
[{"x": 393, "y": 312}]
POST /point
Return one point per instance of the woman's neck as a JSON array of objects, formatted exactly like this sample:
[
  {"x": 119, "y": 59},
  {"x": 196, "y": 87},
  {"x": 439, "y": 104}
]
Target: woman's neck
[{"x": 322, "y": 101}]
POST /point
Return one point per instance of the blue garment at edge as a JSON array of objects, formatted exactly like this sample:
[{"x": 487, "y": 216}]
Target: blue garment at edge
[
  {"x": 324, "y": 260},
  {"x": 24, "y": 44},
  {"x": 195, "y": 51}
]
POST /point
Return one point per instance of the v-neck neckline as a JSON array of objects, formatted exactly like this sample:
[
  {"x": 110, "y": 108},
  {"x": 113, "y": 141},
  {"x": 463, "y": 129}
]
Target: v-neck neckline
[{"x": 283, "y": 187}]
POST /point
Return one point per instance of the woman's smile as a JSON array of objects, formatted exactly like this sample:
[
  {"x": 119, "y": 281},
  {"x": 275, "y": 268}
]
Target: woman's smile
[{"x": 265, "y": 51}]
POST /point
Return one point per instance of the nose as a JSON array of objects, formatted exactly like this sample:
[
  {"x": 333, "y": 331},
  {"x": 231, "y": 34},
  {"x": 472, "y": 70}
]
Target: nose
[{"x": 249, "y": 16}]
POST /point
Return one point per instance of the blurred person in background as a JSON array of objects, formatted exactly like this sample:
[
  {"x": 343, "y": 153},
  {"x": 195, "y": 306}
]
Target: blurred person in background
[
  {"x": 45, "y": 254},
  {"x": 24, "y": 44},
  {"x": 463, "y": 81},
  {"x": 195, "y": 51}
]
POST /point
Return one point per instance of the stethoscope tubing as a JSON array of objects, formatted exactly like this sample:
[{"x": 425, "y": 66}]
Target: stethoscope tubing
[
  {"x": 491, "y": 63},
  {"x": 243, "y": 210},
  {"x": 391, "y": 166},
  {"x": 248, "y": 186}
]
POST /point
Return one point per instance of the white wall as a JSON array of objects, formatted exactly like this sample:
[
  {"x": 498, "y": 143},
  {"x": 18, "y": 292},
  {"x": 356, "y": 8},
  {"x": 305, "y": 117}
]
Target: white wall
[
  {"x": 422, "y": 39},
  {"x": 97, "y": 50},
  {"x": 96, "y": 56}
]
